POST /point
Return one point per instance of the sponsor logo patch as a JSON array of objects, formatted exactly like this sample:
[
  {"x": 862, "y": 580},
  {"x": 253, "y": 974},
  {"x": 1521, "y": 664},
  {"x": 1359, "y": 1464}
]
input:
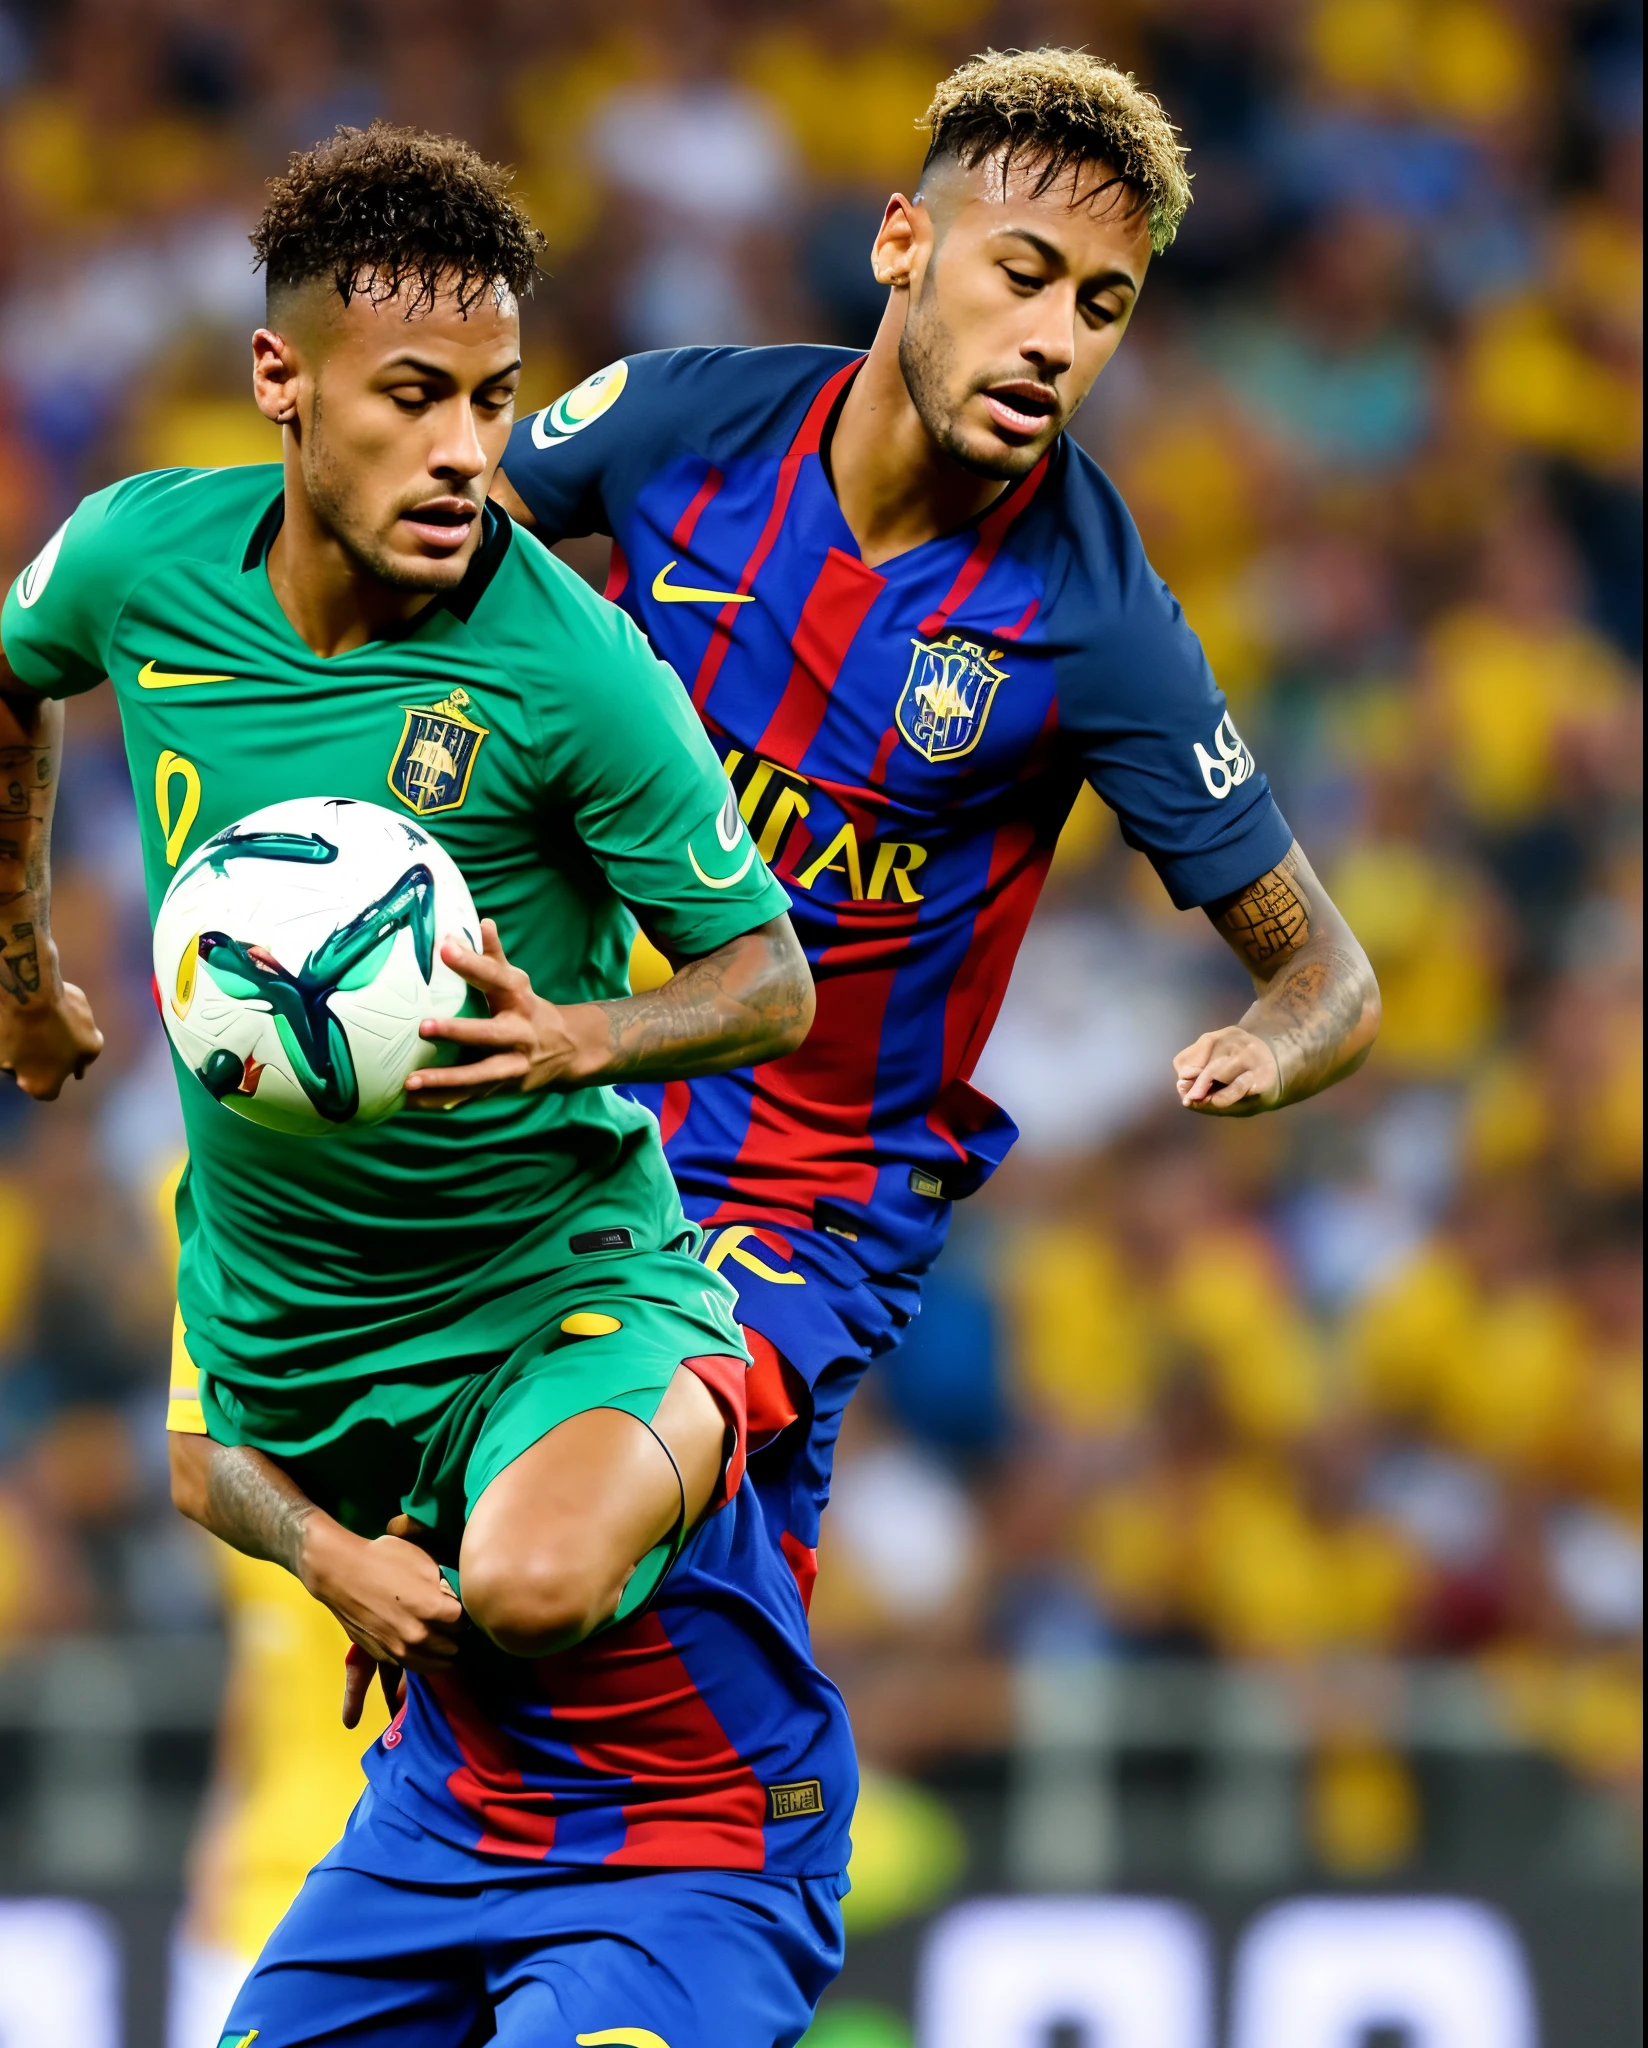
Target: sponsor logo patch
[
  {"x": 618, "y": 1240},
  {"x": 795, "y": 1802},
  {"x": 580, "y": 407},
  {"x": 1229, "y": 764},
  {"x": 31, "y": 585}
]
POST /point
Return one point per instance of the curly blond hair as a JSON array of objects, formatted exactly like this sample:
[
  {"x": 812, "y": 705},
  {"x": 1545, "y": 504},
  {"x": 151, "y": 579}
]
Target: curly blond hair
[{"x": 1060, "y": 109}]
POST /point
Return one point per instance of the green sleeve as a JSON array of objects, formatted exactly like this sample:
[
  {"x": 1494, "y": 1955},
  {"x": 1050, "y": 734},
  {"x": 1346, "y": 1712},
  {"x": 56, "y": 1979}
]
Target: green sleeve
[
  {"x": 60, "y": 613},
  {"x": 649, "y": 798}
]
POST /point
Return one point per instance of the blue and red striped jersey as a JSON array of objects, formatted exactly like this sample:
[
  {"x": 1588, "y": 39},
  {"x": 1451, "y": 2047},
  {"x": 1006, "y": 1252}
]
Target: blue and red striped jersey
[{"x": 905, "y": 741}]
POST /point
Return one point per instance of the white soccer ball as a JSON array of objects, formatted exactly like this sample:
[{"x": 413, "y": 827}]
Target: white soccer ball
[{"x": 296, "y": 954}]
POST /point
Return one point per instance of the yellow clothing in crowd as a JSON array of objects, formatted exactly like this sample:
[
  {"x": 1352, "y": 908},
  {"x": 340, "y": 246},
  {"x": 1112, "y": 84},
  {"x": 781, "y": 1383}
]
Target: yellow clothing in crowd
[{"x": 288, "y": 1770}]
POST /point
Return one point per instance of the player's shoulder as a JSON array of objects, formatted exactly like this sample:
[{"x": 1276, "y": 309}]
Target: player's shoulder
[
  {"x": 186, "y": 506},
  {"x": 1113, "y": 625},
  {"x": 1099, "y": 553},
  {"x": 118, "y": 536},
  {"x": 540, "y": 611},
  {"x": 704, "y": 398}
]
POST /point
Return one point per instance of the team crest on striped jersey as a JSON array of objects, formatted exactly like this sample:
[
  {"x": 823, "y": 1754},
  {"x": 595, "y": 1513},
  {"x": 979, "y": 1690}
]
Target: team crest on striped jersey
[
  {"x": 947, "y": 696},
  {"x": 436, "y": 755}
]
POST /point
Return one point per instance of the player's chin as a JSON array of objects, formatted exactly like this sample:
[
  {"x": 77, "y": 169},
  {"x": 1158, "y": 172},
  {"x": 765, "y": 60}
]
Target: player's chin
[
  {"x": 987, "y": 450},
  {"x": 432, "y": 558}
]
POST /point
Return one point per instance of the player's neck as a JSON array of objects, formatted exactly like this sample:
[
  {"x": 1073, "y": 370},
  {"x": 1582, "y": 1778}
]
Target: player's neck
[
  {"x": 896, "y": 487},
  {"x": 332, "y": 603}
]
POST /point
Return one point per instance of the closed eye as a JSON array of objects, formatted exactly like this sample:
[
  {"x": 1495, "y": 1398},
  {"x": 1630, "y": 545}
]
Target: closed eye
[{"x": 1024, "y": 282}]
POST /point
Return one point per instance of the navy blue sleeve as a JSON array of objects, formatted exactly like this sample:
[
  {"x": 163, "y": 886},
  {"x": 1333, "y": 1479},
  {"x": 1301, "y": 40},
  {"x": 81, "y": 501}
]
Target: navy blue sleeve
[
  {"x": 565, "y": 461},
  {"x": 1149, "y": 725}
]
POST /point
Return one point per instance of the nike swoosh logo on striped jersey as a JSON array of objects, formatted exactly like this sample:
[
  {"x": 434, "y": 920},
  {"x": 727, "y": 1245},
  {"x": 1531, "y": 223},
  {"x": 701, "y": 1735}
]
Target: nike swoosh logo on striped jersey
[
  {"x": 151, "y": 678},
  {"x": 684, "y": 593}
]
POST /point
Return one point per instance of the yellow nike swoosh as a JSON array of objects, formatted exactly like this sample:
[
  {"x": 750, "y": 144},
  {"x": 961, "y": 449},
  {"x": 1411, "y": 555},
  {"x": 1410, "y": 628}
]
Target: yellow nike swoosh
[
  {"x": 683, "y": 593},
  {"x": 151, "y": 678}
]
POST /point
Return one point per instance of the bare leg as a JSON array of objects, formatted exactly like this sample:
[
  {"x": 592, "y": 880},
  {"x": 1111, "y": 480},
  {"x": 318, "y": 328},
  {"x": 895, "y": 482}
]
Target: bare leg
[{"x": 552, "y": 1541}]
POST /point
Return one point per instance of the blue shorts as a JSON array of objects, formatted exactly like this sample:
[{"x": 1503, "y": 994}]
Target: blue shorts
[{"x": 375, "y": 1958}]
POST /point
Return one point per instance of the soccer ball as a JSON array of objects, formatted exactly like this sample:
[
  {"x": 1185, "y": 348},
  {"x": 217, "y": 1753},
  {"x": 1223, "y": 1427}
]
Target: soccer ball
[{"x": 295, "y": 956}]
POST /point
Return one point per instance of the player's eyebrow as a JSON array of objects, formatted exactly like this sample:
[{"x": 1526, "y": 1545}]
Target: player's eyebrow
[
  {"x": 438, "y": 374},
  {"x": 1052, "y": 255}
]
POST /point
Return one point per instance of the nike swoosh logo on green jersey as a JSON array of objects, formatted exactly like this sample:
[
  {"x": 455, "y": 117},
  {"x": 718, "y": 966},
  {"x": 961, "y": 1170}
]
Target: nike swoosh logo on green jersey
[
  {"x": 683, "y": 593},
  {"x": 151, "y": 678},
  {"x": 729, "y": 829}
]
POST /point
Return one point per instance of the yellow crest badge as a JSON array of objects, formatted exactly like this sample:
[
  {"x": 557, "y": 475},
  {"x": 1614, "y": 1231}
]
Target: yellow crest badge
[
  {"x": 947, "y": 696},
  {"x": 436, "y": 755}
]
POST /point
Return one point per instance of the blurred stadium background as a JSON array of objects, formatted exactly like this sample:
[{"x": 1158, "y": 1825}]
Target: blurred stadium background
[{"x": 1254, "y": 1514}]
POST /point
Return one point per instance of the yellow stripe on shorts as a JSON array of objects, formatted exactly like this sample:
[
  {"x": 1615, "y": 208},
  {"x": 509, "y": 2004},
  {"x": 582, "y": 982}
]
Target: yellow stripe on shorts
[{"x": 183, "y": 1410}]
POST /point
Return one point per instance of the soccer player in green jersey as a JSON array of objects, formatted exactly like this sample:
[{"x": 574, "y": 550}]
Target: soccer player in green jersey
[{"x": 488, "y": 1330}]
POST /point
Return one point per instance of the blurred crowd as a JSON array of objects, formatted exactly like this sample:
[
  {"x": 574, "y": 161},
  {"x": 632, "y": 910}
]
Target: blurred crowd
[{"x": 1360, "y": 1381}]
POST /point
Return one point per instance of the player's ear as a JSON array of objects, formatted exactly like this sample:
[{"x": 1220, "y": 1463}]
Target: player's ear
[
  {"x": 274, "y": 377},
  {"x": 903, "y": 229}
]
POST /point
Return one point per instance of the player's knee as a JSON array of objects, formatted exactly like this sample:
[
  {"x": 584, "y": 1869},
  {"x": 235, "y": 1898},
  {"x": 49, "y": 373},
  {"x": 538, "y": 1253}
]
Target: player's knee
[{"x": 531, "y": 1605}]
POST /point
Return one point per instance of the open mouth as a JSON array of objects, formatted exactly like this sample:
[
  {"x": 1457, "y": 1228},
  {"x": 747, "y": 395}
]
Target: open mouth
[
  {"x": 1020, "y": 411},
  {"x": 443, "y": 524}
]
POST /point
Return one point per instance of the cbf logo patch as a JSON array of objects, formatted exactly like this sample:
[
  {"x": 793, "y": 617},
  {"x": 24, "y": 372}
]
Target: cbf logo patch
[
  {"x": 580, "y": 407},
  {"x": 947, "y": 696},
  {"x": 436, "y": 755}
]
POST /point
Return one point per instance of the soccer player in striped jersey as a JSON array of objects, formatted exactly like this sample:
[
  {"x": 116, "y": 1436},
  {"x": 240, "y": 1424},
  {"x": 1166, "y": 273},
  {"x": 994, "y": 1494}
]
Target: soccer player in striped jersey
[{"x": 913, "y": 618}]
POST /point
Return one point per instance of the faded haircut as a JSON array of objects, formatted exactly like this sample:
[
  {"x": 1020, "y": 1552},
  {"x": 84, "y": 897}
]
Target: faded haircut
[
  {"x": 376, "y": 209},
  {"x": 1057, "y": 111}
]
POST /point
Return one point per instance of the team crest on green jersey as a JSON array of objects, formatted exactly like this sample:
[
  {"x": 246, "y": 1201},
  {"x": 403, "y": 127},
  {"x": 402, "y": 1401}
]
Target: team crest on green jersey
[
  {"x": 947, "y": 696},
  {"x": 436, "y": 755}
]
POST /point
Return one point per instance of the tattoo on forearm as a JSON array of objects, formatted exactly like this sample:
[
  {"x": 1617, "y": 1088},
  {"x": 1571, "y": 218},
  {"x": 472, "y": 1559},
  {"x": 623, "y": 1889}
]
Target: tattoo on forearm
[
  {"x": 25, "y": 781},
  {"x": 1309, "y": 1014},
  {"x": 19, "y": 963},
  {"x": 252, "y": 1504},
  {"x": 703, "y": 1002},
  {"x": 1271, "y": 918}
]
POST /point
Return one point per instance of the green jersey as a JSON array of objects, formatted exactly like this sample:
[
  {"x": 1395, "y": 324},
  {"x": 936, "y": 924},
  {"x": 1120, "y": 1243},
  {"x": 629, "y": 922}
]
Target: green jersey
[{"x": 349, "y": 1277}]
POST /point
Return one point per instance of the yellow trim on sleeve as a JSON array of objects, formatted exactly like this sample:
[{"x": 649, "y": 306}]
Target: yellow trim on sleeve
[{"x": 184, "y": 1413}]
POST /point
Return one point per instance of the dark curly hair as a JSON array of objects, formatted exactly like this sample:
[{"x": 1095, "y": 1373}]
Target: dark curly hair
[{"x": 375, "y": 209}]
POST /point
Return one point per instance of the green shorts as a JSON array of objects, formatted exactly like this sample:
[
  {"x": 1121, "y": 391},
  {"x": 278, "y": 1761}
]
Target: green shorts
[
  {"x": 608, "y": 1333},
  {"x": 603, "y": 1349}
]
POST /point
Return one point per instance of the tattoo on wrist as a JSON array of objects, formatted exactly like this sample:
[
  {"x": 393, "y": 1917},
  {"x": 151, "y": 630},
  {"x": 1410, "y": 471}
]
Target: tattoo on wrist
[
  {"x": 1270, "y": 918},
  {"x": 19, "y": 963}
]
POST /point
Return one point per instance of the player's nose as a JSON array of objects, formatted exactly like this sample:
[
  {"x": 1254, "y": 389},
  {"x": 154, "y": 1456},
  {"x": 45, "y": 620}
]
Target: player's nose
[
  {"x": 457, "y": 451},
  {"x": 1051, "y": 343}
]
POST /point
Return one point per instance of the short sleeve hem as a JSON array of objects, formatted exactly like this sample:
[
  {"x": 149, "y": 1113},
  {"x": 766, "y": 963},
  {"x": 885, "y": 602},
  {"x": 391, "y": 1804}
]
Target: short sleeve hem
[
  {"x": 702, "y": 934},
  {"x": 47, "y": 678},
  {"x": 1208, "y": 874}
]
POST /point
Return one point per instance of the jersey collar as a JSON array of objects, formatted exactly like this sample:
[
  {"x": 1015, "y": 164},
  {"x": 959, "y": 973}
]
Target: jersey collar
[{"x": 497, "y": 537}]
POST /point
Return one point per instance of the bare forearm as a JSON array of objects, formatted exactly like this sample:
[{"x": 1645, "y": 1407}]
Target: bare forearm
[
  {"x": 1319, "y": 1016},
  {"x": 747, "y": 1002},
  {"x": 244, "y": 1498},
  {"x": 1316, "y": 1005},
  {"x": 31, "y": 733}
]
